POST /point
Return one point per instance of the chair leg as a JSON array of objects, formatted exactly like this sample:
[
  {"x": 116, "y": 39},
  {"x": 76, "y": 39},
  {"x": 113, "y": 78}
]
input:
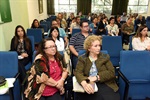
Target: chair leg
[{"x": 11, "y": 94}]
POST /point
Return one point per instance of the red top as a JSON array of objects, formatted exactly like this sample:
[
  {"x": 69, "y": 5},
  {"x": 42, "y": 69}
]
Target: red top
[{"x": 55, "y": 73}]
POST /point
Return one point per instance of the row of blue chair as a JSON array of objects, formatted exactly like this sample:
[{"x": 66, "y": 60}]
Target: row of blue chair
[
  {"x": 9, "y": 69},
  {"x": 134, "y": 72},
  {"x": 134, "y": 75}
]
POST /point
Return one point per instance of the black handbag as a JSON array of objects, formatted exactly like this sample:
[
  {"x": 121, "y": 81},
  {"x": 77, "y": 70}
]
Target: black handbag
[{"x": 2, "y": 81}]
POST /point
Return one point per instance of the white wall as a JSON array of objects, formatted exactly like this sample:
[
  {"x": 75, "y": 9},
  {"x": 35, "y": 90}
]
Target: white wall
[
  {"x": 23, "y": 13},
  {"x": 19, "y": 17},
  {"x": 33, "y": 10},
  {"x": 2, "y": 43}
]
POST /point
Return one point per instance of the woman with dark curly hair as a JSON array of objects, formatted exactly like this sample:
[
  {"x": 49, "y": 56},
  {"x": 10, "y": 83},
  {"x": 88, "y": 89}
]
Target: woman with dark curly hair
[{"x": 48, "y": 73}]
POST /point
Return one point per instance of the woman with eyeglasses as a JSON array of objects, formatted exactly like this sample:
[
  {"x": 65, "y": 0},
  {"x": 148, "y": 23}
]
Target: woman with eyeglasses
[{"x": 48, "y": 73}]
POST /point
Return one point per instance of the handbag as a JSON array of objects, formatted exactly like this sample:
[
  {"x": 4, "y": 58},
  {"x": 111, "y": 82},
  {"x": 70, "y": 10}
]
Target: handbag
[
  {"x": 78, "y": 88},
  {"x": 2, "y": 81},
  {"x": 68, "y": 60}
]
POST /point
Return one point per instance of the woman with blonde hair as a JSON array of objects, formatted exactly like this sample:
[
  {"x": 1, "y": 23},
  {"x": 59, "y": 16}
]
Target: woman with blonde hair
[{"x": 95, "y": 67}]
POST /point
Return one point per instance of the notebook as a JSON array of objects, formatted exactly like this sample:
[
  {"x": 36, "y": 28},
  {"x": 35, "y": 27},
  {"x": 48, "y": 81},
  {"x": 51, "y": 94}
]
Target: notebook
[{"x": 78, "y": 88}]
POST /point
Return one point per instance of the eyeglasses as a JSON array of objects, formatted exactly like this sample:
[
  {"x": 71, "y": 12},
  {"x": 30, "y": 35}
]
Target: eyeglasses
[
  {"x": 54, "y": 46},
  {"x": 86, "y": 26}
]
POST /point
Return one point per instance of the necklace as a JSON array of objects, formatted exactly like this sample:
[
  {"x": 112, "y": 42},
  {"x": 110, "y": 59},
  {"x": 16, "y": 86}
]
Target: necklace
[{"x": 53, "y": 65}]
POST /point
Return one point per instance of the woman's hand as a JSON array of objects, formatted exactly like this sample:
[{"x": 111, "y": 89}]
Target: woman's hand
[
  {"x": 24, "y": 55},
  {"x": 60, "y": 84},
  {"x": 92, "y": 78},
  {"x": 148, "y": 47},
  {"x": 42, "y": 78},
  {"x": 62, "y": 91},
  {"x": 87, "y": 87}
]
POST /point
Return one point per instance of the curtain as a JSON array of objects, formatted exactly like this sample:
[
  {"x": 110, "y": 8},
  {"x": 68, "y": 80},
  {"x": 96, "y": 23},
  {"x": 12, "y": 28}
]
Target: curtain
[
  {"x": 119, "y": 6},
  {"x": 50, "y": 7},
  {"x": 84, "y": 6}
]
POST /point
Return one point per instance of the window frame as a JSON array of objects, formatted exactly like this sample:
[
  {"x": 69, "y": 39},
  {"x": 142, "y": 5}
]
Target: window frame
[
  {"x": 138, "y": 10},
  {"x": 102, "y": 6},
  {"x": 70, "y": 4}
]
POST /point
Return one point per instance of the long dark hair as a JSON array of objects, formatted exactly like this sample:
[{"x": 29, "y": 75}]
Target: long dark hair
[
  {"x": 52, "y": 29},
  {"x": 138, "y": 34},
  {"x": 25, "y": 39},
  {"x": 42, "y": 47},
  {"x": 33, "y": 26}
]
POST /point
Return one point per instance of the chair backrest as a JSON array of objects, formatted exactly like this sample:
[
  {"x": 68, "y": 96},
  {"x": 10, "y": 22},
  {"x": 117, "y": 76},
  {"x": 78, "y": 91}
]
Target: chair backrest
[
  {"x": 81, "y": 52},
  {"x": 8, "y": 63},
  {"x": 148, "y": 25},
  {"x": 75, "y": 30},
  {"x": 36, "y": 33},
  {"x": 44, "y": 26},
  {"x": 113, "y": 44},
  {"x": 135, "y": 66},
  {"x": 53, "y": 17},
  {"x": 32, "y": 42},
  {"x": 94, "y": 31},
  {"x": 8, "y": 69},
  {"x": 34, "y": 54},
  {"x": 130, "y": 42}
]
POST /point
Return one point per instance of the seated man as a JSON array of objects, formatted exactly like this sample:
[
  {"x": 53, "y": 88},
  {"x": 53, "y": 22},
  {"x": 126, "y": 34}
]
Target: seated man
[{"x": 77, "y": 40}]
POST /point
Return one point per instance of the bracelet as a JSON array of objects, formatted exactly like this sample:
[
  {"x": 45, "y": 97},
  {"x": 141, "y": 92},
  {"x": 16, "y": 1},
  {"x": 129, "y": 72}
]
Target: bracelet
[
  {"x": 63, "y": 79},
  {"x": 96, "y": 78}
]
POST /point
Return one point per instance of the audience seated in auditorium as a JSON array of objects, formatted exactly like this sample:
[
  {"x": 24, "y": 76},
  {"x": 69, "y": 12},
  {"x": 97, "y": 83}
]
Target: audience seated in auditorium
[
  {"x": 61, "y": 32},
  {"x": 112, "y": 28},
  {"x": 46, "y": 77},
  {"x": 36, "y": 24},
  {"x": 89, "y": 17},
  {"x": 58, "y": 22},
  {"x": 77, "y": 40},
  {"x": 124, "y": 17},
  {"x": 93, "y": 25},
  {"x": 22, "y": 45},
  {"x": 62, "y": 21},
  {"x": 54, "y": 33},
  {"x": 101, "y": 30},
  {"x": 139, "y": 21},
  {"x": 80, "y": 14},
  {"x": 99, "y": 19},
  {"x": 104, "y": 22},
  {"x": 127, "y": 29},
  {"x": 118, "y": 19},
  {"x": 141, "y": 41},
  {"x": 70, "y": 18},
  {"x": 96, "y": 67},
  {"x": 75, "y": 23}
]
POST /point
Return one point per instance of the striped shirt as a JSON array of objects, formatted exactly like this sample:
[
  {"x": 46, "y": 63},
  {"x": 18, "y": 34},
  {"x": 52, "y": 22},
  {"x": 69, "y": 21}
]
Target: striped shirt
[{"x": 77, "y": 41}]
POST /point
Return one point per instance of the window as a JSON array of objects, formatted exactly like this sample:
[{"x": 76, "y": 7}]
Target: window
[
  {"x": 66, "y": 6},
  {"x": 138, "y": 6},
  {"x": 102, "y": 6}
]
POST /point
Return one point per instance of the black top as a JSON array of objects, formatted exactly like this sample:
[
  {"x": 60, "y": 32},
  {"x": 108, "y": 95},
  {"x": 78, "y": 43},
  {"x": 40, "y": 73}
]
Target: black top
[{"x": 14, "y": 48}]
